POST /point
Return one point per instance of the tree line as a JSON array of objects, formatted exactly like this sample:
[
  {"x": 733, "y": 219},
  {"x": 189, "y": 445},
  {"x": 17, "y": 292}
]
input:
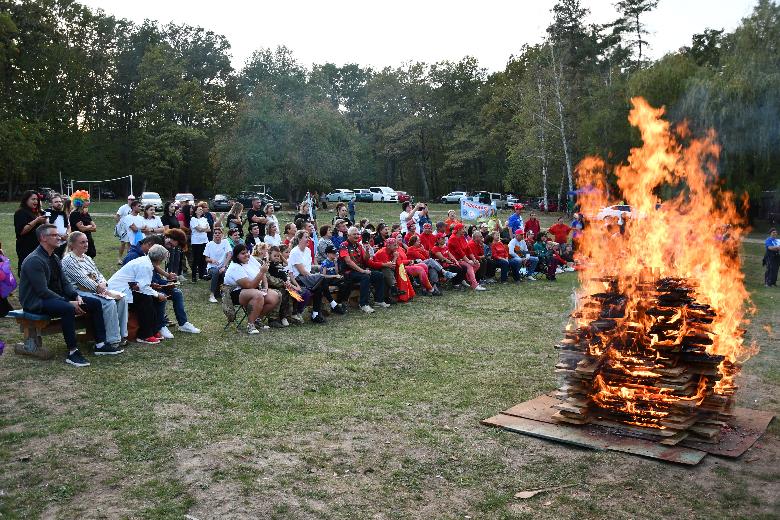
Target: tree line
[{"x": 88, "y": 95}]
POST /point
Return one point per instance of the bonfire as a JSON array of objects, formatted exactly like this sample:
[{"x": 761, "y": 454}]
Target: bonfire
[{"x": 656, "y": 340}]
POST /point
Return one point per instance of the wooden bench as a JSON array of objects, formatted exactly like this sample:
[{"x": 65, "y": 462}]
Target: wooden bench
[{"x": 34, "y": 326}]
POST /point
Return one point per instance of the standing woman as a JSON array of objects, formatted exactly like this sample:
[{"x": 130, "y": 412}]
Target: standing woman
[
  {"x": 80, "y": 219},
  {"x": 270, "y": 216},
  {"x": 200, "y": 229},
  {"x": 169, "y": 219},
  {"x": 234, "y": 220},
  {"x": 152, "y": 224},
  {"x": 249, "y": 277},
  {"x": 26, "y": 220}
]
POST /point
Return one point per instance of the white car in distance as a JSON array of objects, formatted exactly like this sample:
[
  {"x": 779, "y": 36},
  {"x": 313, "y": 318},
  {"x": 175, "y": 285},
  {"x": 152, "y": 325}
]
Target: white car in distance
[
  {"x": 340, "y": 195},
  {"x": 383, "y": 194},
  {"x": 454, "y": 197},
  {"x": 153, "y": 198}
]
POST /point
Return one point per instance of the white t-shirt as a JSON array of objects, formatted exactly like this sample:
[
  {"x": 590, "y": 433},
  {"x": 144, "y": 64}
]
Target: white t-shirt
[
  {"x": 151, "y": 223},
  {"x": 236, "y": 271},
  {"x": 199, "y": 237},
  {"x": 123, "y": 211},
  {"x": 128, "y": 219},
  {"x": 217, "y": 252},
  {"x": 275, "y": 240},
  {"x": 299, "y": 257},
  {"x": 402, "y": 218}
]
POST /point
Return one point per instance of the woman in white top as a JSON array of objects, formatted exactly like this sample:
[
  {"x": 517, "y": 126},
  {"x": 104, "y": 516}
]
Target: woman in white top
[
  {"x": 272, "y": 237},
  {"x": 270, "y": 217},
  {"x": 80, "y": 270},
  {"x": 134, "y": 280},
  {"x": 200, "y": 229},
  {"x": 152, "y": 223},
  {"x": 248, "y": 275}
]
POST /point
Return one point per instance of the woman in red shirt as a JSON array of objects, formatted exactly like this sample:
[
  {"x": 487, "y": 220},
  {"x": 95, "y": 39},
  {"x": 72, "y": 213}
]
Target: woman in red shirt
[
  {"x": 460, "y": 250},
  {"x": 392, "y": 253},
  {"x": 501, "y": 258}
]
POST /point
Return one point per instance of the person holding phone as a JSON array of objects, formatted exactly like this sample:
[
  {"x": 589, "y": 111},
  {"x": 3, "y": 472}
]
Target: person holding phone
[{"x": 26, "y": 220}]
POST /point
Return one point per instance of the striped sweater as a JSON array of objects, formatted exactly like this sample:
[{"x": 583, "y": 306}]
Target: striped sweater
[{"x": 81, "y": 272}]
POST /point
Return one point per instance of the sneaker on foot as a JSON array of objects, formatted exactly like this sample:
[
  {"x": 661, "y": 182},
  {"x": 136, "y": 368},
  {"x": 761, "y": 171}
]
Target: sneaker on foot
[
  {"x": 339, "y": 309},
  {"x": 383, "y": 305},
  {"x": 480, "y": 288},
  {"x": 166, "y": 333},
  {"x": 76, "y": 359},
  {"x": 284, "y": 322},
  {"x": 449, "y": 275},
  {"x": 319, "y": 319},
  {"x": 159, "y": 336},
  {"x": 151, "y": 340},
  {"x": 108, "y": 350},
  {"x": 297, "y": 318},
  {"x": 251, "y": 329},
  {"x": 213, "y": 299},
  {"x": 275, "y": 324},
  {"x": 367, "y": 309},
  {"x": 530, "y": 278},
  {"x": 558, "y": 270},
  {"x": 189, "y": 327}
]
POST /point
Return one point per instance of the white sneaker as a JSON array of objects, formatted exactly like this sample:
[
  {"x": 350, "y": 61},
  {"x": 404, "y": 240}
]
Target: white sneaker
[
  {"x": 166, "y": 333},
  {"x": 465, "y": 284},
  {"x": 480, "y": 288},
  {"x": 297, "y": 318},
  {"x": 189, "y": 327},
  {"x": 251, "y": 329},
  {"x": 530, "y": 278},
  {"x": 284, "y": 322},
  {"x": 449, "y": 275},
  {"x": 569, "y": 269},
  {"x": 212, "y": 299},
  {"x": 367, "y": 309},
  {"x": 558, "y": 270},
  {"x": 383, "y": 305}
]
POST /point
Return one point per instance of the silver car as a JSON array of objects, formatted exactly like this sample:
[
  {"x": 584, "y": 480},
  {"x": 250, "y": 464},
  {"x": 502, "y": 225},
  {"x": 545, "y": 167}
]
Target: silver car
[{"x": 153, "y": 198}]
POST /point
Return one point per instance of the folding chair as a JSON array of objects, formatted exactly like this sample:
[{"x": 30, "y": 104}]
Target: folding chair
[{"x": 231, "y": 310}]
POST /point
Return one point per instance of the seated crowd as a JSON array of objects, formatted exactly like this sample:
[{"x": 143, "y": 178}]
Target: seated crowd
[{"x": 273, "y": 271}]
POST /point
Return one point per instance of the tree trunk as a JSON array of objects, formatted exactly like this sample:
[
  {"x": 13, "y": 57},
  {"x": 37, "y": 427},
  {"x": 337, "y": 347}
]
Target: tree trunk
[
  {"x": 542, "y": 141},
  {"x": 426, "y": 194},
  {"x": 557, "y": 73}
]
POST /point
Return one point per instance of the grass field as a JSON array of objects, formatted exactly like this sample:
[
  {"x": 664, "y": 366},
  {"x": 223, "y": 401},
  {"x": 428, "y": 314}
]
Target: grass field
[{"x": 370, "y": 416}]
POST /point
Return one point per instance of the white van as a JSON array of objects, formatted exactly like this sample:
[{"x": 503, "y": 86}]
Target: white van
[{"x": 383, "y": 194}]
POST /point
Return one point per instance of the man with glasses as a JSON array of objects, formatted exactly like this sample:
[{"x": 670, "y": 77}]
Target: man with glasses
[
  {"x": 58, "y": 218},
  {"x": 43, "y": 289},
  {"x": 355, "y": 266}
]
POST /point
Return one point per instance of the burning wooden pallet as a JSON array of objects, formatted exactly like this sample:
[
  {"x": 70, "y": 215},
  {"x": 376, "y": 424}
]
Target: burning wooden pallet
[{"x": 641, "y": 364}]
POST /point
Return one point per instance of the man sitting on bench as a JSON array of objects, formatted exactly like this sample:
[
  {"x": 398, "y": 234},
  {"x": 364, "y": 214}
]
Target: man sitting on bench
[{"x": 44, "y": 290}]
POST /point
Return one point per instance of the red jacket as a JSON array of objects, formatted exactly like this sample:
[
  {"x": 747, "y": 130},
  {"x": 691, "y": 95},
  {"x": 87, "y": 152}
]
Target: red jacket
[
  {"x": 428, "y": 240},
  {"x": 478, "y": 250},
  {"x": 561, "y": 232},
  {"x": 499, "y": 250}
]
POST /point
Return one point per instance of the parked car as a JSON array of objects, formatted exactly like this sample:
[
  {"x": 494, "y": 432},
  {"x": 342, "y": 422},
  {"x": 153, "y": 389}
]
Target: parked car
[
  {"x": 511, "y": 200},
  {"x": 454, "y": 197},
  {"x": 153, "y": 198},
  {"x": 220, "y": 202},
  {"x": 107, "y": 194},
  {"x": 363, "y": 195},
  {"x": 340, "y": 195},
  {"x": 180, "y": 197},
  {"x": 245, "y": 198},
  {"x": 488, "y": 197},
  {"x": 383, "y": 194},
  {"x": 404, "y": 197}
]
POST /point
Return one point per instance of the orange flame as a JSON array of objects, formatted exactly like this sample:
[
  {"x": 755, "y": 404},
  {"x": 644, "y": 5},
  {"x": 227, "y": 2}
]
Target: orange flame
[{"x": 682, "y": 225}]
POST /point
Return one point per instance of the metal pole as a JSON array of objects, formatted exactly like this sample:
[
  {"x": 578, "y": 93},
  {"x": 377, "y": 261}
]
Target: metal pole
[
  {"x": 60, "y": 181},
  {"x": 131, "y": 185}
]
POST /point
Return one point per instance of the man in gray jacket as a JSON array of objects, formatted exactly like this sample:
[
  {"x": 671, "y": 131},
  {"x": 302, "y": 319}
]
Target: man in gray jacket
[{"x": 44, "y": 290}]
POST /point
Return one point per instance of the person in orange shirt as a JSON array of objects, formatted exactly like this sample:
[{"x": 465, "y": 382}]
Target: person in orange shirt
[{"x": 451, "y": 221}]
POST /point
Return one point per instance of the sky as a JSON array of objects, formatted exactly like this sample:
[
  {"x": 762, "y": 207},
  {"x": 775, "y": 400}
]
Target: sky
[{"x": 383, "y": 33}]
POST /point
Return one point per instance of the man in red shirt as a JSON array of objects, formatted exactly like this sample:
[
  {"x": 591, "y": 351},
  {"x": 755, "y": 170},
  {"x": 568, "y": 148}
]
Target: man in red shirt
[
  {"x": 441, "y": 253},
  {"x": 356, "y": 267},
  {"x": 477, "y": 250},
  {"x": 560, "y": 231},
  {"x": 460, "y": 250},
  {"x": 394, "y": 254}
]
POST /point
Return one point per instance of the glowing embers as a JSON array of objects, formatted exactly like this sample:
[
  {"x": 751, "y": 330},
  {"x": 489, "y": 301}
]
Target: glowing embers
[{"x": 640, "y": 363}]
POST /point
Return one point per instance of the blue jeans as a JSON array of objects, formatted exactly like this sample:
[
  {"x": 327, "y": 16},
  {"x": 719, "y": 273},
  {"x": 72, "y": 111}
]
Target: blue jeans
[
  {"x": 177, "y": 298},
  {"x": 375, "y": 278},
  {"x": 67, "y": 314},
  {"x": 531, "y": 262},
  {"x": 114, "y": 316},
  {"x": 216, "y": 280},
  {"x": 505, "y": 265}
]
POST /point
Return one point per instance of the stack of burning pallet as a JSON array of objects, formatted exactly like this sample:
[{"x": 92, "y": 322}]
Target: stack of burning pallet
[{"x": 640, "y": 364}]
